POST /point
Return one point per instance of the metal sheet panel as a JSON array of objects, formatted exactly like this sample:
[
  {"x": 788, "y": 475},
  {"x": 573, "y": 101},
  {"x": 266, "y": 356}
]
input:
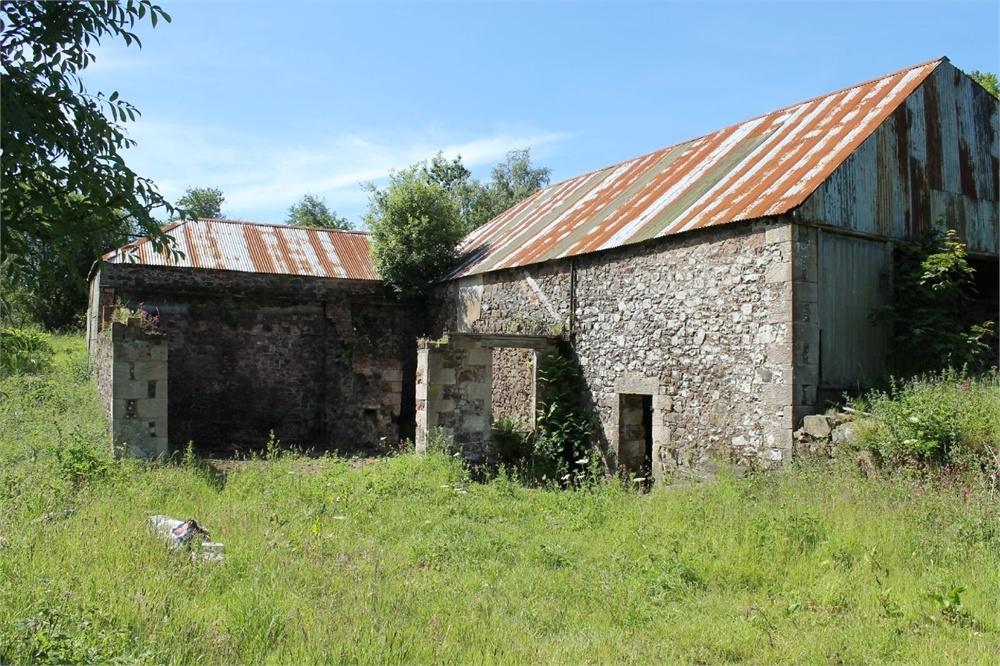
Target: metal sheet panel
[
  {"x": 231, "y": 245},
  {"x": 761, "y": 167},
  {"x": 932, "y": 162},
  {"x": 854, "y": 281}
]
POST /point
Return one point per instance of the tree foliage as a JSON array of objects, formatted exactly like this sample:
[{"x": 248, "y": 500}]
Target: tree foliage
[
  {"x": 933, "y": 289},
  {"x": 65, "y": 185},
  {"x": 312, "y": 211},
  {"x": 48, "y": 283},
  {"x": 202, "y": 202},
  {"x": 987, "y": 80},
  {"x": 512, "y": 180},
  {"x": 415, "y": 229}
]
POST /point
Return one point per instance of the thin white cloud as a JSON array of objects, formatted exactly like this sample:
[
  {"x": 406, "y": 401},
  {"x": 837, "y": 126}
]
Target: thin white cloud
[{"x": 260, "y": 179}]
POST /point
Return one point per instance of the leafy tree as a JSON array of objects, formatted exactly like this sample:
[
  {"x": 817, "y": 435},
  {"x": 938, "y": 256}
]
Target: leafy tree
[
  {"x": 312, "y": 211},
  {"x": 512, "y": 180},
  {"x": 515, "y": 179},
  {"x": 987, "y": 80},
  {"x": 48, "y": 285},
  {"x": 470, "y": 196},
  {"x": 202, "y": 202},
  {"x": 415, "y": 229},
  {"x": 933, "y": 289},
  {"x": 62, "y": 164}
]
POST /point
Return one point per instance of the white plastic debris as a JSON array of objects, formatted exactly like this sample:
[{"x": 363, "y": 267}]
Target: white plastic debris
[{"x": 186, "y": 534}]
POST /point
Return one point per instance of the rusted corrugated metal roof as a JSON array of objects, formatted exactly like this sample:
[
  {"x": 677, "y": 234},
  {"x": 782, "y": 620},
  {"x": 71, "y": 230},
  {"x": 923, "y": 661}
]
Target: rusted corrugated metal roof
[
  {"x": 761, "y": 167},
  {"x": 231, "y": 245}
]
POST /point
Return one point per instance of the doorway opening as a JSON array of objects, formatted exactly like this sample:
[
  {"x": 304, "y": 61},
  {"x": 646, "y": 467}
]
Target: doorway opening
[{"x": 635, "y": 433}]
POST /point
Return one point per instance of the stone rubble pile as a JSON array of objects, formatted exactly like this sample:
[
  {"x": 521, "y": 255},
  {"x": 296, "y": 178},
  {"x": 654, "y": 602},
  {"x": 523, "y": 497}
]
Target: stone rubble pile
[{"x": 825, "y": 435}]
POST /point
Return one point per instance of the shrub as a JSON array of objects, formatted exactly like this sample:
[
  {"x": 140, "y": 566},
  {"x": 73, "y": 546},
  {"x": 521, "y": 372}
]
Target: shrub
[
  {"x": 933, "y": 287},
  {"x": 415, "y": 230},
  {"x": 949, "y": 418},
  {"x": 23, "y": 350},
  {"x": 513, "y": 444},
  {"x": 563, "y": 429}
]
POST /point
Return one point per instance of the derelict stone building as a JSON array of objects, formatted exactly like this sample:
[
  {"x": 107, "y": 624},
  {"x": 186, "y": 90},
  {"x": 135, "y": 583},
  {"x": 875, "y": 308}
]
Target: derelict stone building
[
  {"x": 712, "y": 293},
  {"x": 266, "y": 328}
]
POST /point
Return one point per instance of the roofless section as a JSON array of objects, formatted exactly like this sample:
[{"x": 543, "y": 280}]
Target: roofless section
[
  {"x": 231, "y": 245},
  {"x": 758, "y": 168}
]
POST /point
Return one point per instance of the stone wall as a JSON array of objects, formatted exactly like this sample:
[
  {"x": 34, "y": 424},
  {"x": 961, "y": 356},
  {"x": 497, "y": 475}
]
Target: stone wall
[
  {"x": 102, "y": 361},
  {"x": 702, "y": 322},
  {"x": 131, "y": 371},
  {"x": 320, "y": 362},
  {"x": 513, "y": 394},
  {"x": 454, "y": 379}
]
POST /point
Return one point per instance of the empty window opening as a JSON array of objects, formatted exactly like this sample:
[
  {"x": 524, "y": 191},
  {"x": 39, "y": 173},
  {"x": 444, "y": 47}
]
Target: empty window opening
[{"x": 635, "y": 433}]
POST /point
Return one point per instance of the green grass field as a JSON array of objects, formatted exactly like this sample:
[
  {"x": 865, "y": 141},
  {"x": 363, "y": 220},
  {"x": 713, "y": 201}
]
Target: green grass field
[{"x": 407, "y": 560}]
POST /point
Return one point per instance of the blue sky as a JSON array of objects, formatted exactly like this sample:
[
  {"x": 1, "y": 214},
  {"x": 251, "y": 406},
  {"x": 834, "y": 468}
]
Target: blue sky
[{"x": 270, "y": 100}]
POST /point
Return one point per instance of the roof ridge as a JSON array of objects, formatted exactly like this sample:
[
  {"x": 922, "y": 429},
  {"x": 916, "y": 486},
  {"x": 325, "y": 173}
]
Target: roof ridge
[
  {"x": 273, "y": 224},
  {"x": 938, "y": 60}
]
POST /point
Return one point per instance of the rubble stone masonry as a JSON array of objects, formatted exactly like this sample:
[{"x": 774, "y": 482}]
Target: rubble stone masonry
[
  {"x": 702, "y": 322},
  {"x": 322, "y": 363}
]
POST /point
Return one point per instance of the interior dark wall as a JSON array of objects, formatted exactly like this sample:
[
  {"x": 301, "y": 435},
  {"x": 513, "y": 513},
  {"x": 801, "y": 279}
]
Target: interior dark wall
[{"x": 325, "y": 364}]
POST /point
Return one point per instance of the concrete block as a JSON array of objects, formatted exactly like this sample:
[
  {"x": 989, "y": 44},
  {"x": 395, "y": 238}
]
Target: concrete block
[
  {"x": 152, "y": 408},
  {"x": 477, "y": 390},
  {"x": 123, "y": 371},
  {"x": 780, "y": 354},
  {"x": 778, "y": 233},
  {"x": 150, "y": 370},
  {"x": 130, "y": 388},
  {"x": 778, "y": 273}
]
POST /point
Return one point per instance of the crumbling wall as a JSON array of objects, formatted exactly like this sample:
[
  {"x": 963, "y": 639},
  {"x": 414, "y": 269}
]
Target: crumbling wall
[
  {"x": 322, "y": 363},
  {"x": 702, "y": 322}
]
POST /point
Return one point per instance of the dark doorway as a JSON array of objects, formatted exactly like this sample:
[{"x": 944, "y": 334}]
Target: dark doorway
[
  {"x": 647, "y": 431},
  {"x": 635, "y": 433}
]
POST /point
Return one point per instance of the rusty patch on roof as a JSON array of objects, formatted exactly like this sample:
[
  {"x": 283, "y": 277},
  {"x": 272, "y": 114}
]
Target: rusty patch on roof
[
  {"x": 762, "y": 167},
  {"x": 230, "y": 245}
]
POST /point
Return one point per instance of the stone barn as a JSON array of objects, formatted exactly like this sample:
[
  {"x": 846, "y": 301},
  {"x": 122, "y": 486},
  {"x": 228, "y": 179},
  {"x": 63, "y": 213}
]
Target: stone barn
[
  {"x": 259, "y": 328},
  {"x": 712, "y": 294},
  {"x": 716, "y": 291}
]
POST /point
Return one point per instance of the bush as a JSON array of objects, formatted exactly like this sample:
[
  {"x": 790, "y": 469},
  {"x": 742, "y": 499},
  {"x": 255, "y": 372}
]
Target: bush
[
  {"x": 513, "y": 444},
  {"x": 563, "y": 430},
  {"x": 933, "y": 288},
  {"x": 415, "y": 230},
  {"x": 23, "y": 350},
  {"x": 949, "y": 418}
]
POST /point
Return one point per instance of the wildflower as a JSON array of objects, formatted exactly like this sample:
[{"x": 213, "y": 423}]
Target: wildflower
[
  {"x": 567, "y": 477},
  {"x": 639, "y": 479},
  {"x": 582, "y": 461},
  {"x": 913, "y": 419}
]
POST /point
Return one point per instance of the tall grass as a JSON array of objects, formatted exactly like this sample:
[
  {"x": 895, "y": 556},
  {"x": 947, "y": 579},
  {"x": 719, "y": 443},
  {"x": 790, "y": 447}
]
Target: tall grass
[{"x": 407, "y": 560}]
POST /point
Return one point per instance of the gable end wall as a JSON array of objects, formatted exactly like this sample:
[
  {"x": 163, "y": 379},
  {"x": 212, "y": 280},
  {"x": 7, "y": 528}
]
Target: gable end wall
[{"x": 935, "y": 158}]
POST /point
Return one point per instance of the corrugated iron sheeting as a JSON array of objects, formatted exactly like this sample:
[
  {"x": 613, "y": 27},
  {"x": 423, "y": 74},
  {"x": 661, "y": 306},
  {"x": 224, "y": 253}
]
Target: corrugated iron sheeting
[
  {"x": 933, "y": 160},
  {"x": 762, "y": 167},
  {"x": 230, "y": 245}
]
